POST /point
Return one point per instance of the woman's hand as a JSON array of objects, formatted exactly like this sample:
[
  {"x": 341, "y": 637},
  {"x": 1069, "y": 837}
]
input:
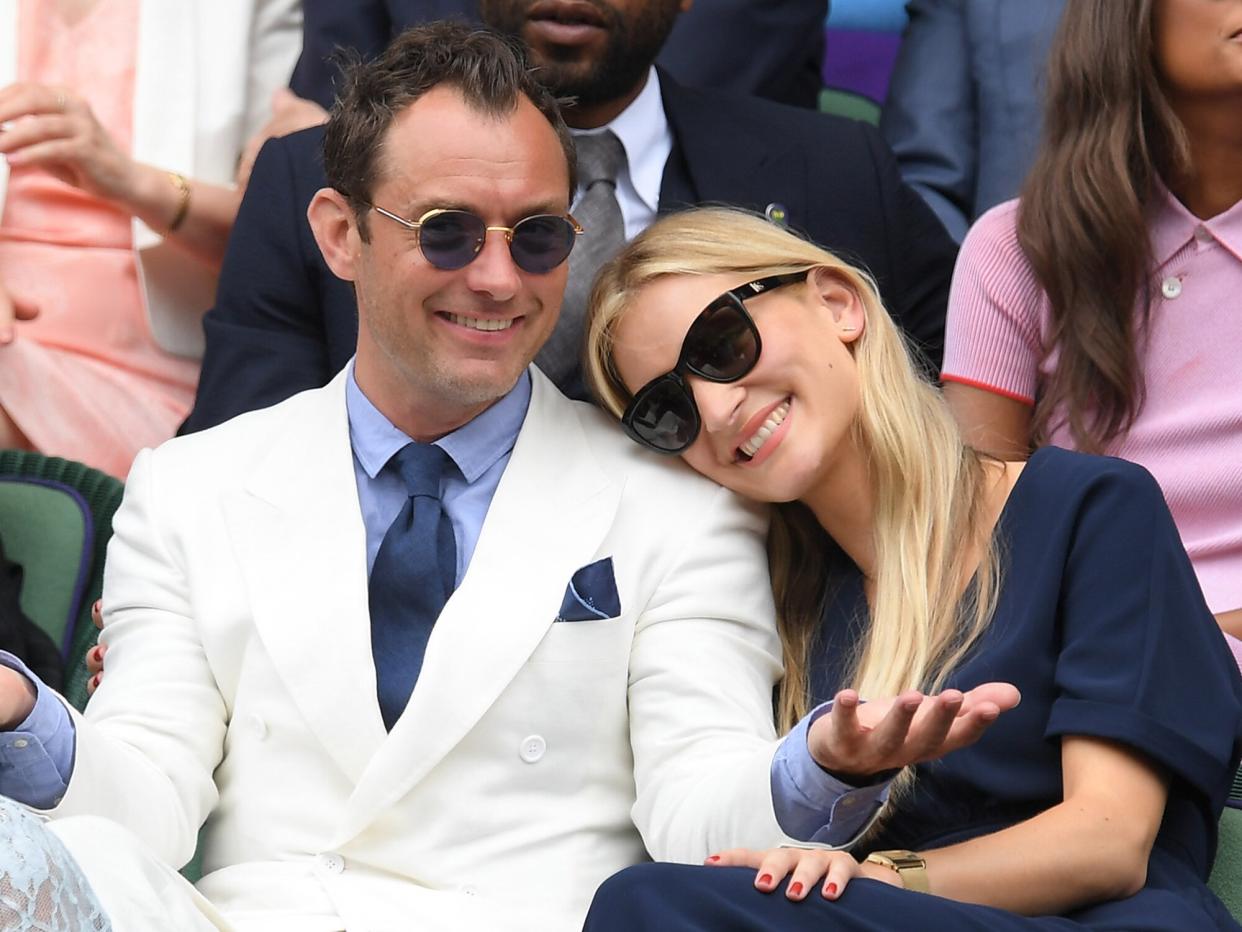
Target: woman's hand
[
  {"x": 857, "y": 740},
  {"x": 95, "y": 656},
  {"x": 12, "y": 310},
  {"x": 805, "y": 867},
  {"x": 290, "y": 113},
  {"x": 54, "y": 129}
]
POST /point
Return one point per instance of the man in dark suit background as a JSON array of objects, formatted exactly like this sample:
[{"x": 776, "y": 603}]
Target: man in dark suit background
[
  {"x": 965, "y": 104},
  {"x": 773, "y": 49},
  {"x": 283, "y": 323}
]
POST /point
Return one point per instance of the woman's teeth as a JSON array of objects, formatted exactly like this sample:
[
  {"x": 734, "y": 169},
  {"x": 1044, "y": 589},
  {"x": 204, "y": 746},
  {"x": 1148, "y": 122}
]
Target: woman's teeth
[
  {"x": 480, "y": 323},
  {"x": 753, "y": 445}
]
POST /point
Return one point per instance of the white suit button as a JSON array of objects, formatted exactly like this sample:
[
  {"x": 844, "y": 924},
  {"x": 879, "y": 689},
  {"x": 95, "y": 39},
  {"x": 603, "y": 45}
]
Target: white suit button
[
  {"x": 20, "y": 743},
  {"x": 259, "y": 726},
  {"x": 532, "y": 749},
  {"x": 332, "y": 862},
  {"x": 1171, "y": 287},
  {"x": 470, "y": 891}
]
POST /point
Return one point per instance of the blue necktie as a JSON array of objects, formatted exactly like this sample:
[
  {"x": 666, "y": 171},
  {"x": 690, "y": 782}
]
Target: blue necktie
[{"x": 414, "y": 574}]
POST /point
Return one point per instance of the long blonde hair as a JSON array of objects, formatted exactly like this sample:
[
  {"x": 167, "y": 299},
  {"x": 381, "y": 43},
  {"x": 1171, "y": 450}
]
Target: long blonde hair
[{"x": 928, "y": 486}]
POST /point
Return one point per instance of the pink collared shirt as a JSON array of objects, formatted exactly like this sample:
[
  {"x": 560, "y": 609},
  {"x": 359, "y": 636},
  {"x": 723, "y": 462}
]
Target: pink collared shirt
[{"x": 1188, "y": 433}]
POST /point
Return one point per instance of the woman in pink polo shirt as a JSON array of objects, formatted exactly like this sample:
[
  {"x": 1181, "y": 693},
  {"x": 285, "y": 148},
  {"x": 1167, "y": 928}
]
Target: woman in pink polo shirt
[{"x": 1103, "y": 310}]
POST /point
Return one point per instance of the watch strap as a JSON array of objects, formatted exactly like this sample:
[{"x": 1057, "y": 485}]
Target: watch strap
[{"x": 911, "y": 867}]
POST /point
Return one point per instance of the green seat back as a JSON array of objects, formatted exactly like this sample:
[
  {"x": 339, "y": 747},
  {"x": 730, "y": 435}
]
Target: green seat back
[
  {"x": 102, "y": 494},
  {"x": 1226, "y": 879},
  {"x": 849, "y": 104},
  {"x": 48, "y": 531}
]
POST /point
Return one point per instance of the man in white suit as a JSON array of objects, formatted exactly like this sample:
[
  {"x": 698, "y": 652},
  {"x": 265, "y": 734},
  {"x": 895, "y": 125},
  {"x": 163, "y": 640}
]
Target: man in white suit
[{"x": 598, "y": 686}]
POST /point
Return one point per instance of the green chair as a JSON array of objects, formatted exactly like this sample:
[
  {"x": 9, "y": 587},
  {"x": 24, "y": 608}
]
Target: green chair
[
  {"x": 854, "y": 106},
  {"x": 1226, "y": 879},
  {"x": 56, "y": 517}
]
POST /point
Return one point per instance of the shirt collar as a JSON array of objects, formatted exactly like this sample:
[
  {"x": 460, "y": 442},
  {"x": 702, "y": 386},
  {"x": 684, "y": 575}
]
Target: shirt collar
[
  {"x": 1172, "y": 226},
  {"x": 643, "y": 130},
  {"x": 474, "y": 447}
]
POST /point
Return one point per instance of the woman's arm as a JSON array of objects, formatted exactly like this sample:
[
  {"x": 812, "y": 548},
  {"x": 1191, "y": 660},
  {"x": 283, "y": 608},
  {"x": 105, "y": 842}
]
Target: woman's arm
[
  {"x": 55, "y": 130},
  {"x": 991, "y": 422},
  {"x": 1231, "y": 622},
  {"x": 1093, "y": 846}
]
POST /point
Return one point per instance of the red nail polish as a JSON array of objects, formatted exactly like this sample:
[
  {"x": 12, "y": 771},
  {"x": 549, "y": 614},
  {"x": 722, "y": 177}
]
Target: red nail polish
[
  {"x": 795, "y": 889},
  {"x": 831, "y": 891},
  {"x": 97, "y": 653},
  {"x": 713, "y": 859},
  {"x": 95, "y": 679},
  {"x": 765, "y": 880}
]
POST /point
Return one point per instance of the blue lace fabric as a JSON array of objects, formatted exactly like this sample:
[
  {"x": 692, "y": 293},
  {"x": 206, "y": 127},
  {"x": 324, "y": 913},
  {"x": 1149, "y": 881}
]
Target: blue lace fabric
[{"x": 42, "y": 889}]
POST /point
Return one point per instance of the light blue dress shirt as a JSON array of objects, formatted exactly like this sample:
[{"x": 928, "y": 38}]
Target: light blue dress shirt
[{"x": 36, "y": 759}]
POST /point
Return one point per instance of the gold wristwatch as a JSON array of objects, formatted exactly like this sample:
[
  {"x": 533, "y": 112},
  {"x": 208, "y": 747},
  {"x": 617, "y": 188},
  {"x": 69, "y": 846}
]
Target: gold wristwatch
[{"x": 910, "y": 867}]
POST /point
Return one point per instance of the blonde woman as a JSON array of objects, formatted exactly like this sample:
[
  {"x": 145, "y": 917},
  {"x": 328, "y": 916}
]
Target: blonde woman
[{"x": 902, "y": 559}]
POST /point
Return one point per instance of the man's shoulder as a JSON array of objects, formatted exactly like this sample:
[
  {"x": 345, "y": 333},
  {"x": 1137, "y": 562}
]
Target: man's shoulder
[
  {"x": 229, "y": 450},
  {"x": 702, "y": 109},
  {"x": 656, "y": 478}
]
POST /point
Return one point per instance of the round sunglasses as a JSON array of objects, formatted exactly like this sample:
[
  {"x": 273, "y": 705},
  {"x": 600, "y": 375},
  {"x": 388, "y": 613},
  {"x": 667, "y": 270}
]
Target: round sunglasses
[
  {"x": 722, "y": 345},
  {"x": 451, "y": 239}
]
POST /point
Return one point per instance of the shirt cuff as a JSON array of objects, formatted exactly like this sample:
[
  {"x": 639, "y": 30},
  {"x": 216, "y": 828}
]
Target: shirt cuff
[
  {"x": 36, "y": 758},
  {"x": 811, "y": 804}
]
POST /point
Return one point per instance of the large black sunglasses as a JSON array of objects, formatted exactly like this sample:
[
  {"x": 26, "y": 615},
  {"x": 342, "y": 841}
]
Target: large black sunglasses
[
  {"x": 451, "y": 239},
  {"x": 722, "y": 345}
]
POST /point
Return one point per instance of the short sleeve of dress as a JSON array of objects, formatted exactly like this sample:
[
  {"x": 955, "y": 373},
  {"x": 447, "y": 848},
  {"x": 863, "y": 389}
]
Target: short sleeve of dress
[
  {"x": 1141, "y": 659},
  {"x": 992, "y": 331}
]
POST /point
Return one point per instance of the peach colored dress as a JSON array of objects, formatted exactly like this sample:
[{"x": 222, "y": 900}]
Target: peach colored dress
[{"x": 84, "y": 379}]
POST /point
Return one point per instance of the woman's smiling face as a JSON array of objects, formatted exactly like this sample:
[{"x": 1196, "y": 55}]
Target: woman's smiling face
[{"x": 773, "y": 434}]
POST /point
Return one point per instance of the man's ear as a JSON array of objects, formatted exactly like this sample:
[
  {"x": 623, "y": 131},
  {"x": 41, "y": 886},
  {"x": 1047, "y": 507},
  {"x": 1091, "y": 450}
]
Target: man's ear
[
  {"x": 335, "y": 226},
  {"x": 685, "y": 5},
  {"x": 842, "y": 301}
]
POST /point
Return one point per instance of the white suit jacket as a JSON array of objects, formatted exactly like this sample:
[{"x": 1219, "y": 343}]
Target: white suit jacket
[
  {"x": 203, "y": 84},
  {"x": 535, "y": 757}
]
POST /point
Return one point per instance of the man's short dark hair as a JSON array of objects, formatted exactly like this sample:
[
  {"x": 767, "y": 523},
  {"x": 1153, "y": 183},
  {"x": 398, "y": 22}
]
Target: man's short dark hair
[{"x": 488, "y": 69}]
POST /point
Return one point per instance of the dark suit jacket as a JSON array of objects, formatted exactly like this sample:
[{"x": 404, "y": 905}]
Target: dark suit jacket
[
  {"x": 774, "y": 49},
  {"x": 965, "y": 102},
  {"x": 364, "y": 25},
  {"x": 283, "y": 323}
]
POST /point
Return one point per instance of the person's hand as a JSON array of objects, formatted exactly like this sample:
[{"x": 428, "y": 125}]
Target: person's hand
[
  {"x": 290, "y": 113},
  {"x": 17, "y": 698},
  {"x": 805, "y": 867},
  {"x": 859, "y": 739},
  {"x": 54, "y": 129},
  {"x": 95, "y": 656},
  {"x": 12, "y": 310}
]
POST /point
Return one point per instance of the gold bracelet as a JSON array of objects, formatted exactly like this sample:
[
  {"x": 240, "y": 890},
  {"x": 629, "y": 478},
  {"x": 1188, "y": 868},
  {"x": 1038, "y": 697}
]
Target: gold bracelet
[{"x": 183, "y": 200}]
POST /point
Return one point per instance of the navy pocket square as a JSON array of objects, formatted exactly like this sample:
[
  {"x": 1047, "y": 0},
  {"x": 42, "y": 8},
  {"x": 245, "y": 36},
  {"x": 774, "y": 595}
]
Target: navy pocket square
[{"x": 591, "y": 594}]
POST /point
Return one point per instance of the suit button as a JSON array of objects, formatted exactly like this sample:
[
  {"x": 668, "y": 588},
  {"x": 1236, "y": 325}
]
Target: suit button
[
  {"x": 332, "y": 862},
  {"x": 470, "y": 891},
  {"x": 532, "y": 749},
  {"x": 258, "y": 726},
  {"x": 1171, "y": 287}
]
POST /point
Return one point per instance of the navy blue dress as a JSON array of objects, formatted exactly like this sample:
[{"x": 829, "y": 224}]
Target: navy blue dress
[{"x": 1100, "y": 623}]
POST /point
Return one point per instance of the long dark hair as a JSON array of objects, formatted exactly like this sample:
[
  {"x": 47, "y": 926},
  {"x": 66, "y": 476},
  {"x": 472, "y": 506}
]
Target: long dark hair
[{"x": 1109, "y": 135}]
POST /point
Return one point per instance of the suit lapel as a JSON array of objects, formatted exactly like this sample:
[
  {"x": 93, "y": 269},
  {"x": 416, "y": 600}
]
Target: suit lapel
[
  {"x": 549, "y": 514},
  {"x": 301, "y": 546},
  {"x": 165, "y": 92},
  {"x": 755, "y": 169}
]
